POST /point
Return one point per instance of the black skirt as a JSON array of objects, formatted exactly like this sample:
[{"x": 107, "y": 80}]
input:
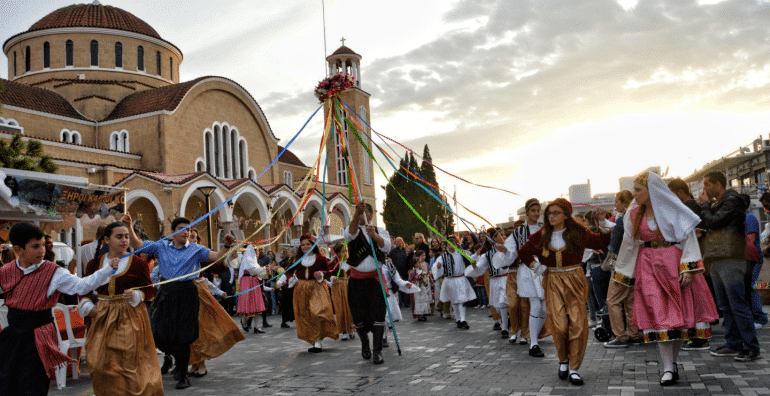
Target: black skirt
[
  {"x": 367, "y": 304},
  {"x": 175, "y": 318},
  {"x": 21, "y": 370}
]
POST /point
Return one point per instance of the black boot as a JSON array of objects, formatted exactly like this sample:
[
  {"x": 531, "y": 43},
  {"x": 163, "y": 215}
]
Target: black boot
[
  {"x": 378, "y": 332},
  {"x": 366, "y": 352}
]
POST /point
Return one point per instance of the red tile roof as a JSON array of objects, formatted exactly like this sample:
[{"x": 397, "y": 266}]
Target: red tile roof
[
  {"x": 97, "y": 16},
  {"x": 344, "y": 50},
  {"x": 289, "y": 158},
  {"x": 163, "y": 98},
  {"x": 230, "y": 184},
  {"x": 38, "y": 99},
  {"x": 171, "y": 179}
]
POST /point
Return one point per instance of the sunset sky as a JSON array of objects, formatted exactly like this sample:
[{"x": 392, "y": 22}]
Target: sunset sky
[{"x": 530, "y": 96}]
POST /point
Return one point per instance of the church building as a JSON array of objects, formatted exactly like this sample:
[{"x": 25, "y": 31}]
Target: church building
[{"x": 101, "y": 90}]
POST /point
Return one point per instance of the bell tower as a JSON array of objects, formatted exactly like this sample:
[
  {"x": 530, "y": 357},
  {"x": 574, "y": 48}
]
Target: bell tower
[{"x": 345, "y": 60}]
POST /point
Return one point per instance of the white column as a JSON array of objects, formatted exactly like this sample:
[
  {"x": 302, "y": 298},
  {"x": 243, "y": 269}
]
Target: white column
[
  {"x": 237, "y": 154},
  {"x": 358, "y": 74}
]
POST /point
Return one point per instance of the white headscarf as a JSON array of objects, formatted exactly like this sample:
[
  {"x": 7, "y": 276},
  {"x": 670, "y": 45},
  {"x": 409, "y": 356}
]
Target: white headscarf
[{"x": 675, "y": 220}]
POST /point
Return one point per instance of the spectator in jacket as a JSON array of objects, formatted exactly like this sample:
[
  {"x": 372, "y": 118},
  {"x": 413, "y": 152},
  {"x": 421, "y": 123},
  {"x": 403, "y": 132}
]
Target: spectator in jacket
[{"x": 723, "y": 245}]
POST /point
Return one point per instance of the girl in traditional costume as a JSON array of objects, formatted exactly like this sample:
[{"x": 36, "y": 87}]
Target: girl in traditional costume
[
  {"x": 250, "y": 304},
  {"x": 672, "y": 302},
  {"x": 339, "y": 281},
  {"x": 555, "y": 251},
  {"x": 312, "y": 302},
  {"x": 420, "y": 276},
  {"x": 120, "y": 350}
]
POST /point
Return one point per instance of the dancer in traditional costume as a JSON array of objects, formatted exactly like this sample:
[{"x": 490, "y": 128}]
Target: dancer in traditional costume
[
  {"x": 312, "y": 302},
  {"x": 286, "y": 283},
  {"x": 29, "y": 351},
  {"x": 120, "y": 350},
  {"x": 367, "y": 303},
  {"x": 175, "y": 319},
  {"x": 672, "y": 302},
  {"x": 526, "y": 287},
  {"x": 455, "y": 288},
  {"x": 419, "y": 275},
  {"x": 252, "y": 303},
  {"x": 485, "y": 257},
  {"x": 217, "y": 332},
  {"x": 339, "y": 280},
  {"x": 556, "y": 250},
  {"x": 393, "y": 279}
]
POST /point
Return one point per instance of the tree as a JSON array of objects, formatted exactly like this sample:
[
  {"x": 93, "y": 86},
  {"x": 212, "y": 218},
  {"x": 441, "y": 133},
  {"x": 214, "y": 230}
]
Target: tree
[
  {"x": 435, "y": 212},
  {"x": 17, "y": 155}
]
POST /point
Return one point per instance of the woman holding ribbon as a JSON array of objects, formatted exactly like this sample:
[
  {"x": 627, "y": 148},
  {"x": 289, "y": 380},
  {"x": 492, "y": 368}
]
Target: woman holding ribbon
[
  {"x": 120, "y": 351},
  {"x": 312, "y": 301}
]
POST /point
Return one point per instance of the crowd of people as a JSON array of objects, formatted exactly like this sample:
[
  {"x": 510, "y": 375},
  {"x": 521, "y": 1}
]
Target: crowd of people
[{"x": 663, "y": 267}]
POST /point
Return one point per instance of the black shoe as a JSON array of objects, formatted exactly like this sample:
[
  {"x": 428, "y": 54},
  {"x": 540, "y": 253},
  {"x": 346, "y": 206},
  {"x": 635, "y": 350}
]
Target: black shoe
[
  {"x": 497, "y": 326},
  {"x": 285, "y": 325},
  {"x": 504, "y": 334},
  {"x": 257, "y": 330},
  {"x": 563, "y": 374},
  {"x": 464, "y": 325},
  {"x": 676, "y": 372},
  {"x": 668, "y": 382},
  {"x": 536, "y": 352},
  {"x": 377, "y": 358},
  {"x": 385, "y": 343},
  {"x": 458, "y": 324},
  {"x": 575, "y": 379},
  {"x": 184, "y": 383},
  {"x": 246, "y": 323},
  {"x": 635, "y": 341},
  {"x": 168, "y": 362},
  {"x": 197, "y": 374},
  {"x": 313, "y": 349},
  {"x": 265, "y": 324},
  {"x": 747, "y": 356}
]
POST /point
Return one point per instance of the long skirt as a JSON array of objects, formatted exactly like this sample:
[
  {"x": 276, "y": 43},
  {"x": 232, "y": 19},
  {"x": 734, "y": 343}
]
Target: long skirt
[
  {"x": 120, "y": 351},
  {"x": 251, "y": 303},
  {"x": 341, "y": 306},
  {"x": 313, "y": 312},
  {"x": 518, "y": 307},
  {"x": 175, "y": 318},
  {"x": 367, "y": 304},
  {"x": 395, "y": 309},
  {"x": 566, "y": 294},
  {"x": 217, "y": 331},
  {"x": 421, "y": 301},
  {"x": 662, "y": 308}
]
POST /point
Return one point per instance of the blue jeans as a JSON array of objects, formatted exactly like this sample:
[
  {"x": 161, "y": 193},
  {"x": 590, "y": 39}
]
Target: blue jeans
[
  {"x": 481, "y": 294},
  {"x": 600, "y": 281},
  {"x": 729, "y": 278},
  {"x": 760, "y": 317}
]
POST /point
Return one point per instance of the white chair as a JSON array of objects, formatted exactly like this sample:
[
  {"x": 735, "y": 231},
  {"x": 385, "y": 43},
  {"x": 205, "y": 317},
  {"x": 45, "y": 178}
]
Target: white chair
[
  {"x": 65, "y": 346},
  {"x": 3, "y": 314}
]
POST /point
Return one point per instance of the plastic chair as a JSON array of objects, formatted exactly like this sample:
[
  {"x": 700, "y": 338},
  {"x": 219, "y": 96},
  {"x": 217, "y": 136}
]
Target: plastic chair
[
  {"x": 66, "y": 345},
  {"x": 3, "y": 314}
]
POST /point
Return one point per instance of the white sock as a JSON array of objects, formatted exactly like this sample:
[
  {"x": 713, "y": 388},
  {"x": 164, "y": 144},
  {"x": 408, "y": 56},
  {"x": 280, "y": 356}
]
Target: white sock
[
  {"x": 461, "y": 309},
  {"x": 571, "y": 371},
  {"x": 564, "y": 366},
  {"x": 534, "y": 330},
  {"x": 503, "y": 317}
]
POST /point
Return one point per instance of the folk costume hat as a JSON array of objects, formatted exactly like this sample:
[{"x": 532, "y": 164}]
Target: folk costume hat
[{"x": 675, "y": 220}]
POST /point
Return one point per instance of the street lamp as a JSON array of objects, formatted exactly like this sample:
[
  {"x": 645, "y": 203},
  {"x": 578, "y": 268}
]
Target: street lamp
[{"x": 206, "y": 191}]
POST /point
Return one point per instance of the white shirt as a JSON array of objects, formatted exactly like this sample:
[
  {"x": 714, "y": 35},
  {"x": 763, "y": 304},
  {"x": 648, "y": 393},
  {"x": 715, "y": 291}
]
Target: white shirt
[
  {"x": 70, "y": 284},
  {"x": 457, "y": 270},
  {"x": 86, "y": 305},
  {"x": 369, "y": 265}
]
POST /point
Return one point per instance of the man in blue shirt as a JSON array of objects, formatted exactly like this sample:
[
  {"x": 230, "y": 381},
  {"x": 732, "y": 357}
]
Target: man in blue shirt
[
  {"x": 754, "y": 267},
  {"x": 175, "y": 320}
]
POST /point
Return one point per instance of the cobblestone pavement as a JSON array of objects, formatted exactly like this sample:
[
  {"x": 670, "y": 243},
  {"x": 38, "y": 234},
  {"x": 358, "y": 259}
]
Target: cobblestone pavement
[{"x": 440, "y": 359}]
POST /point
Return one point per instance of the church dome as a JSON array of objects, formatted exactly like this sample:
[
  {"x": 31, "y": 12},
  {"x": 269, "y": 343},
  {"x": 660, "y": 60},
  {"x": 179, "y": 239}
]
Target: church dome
[{"x": 94, "y": 16}]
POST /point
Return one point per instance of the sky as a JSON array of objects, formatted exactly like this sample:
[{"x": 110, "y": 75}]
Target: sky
[{"x": 528, "y": 96}]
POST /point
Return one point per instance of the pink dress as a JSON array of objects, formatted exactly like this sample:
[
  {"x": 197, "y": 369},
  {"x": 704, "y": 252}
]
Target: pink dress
[
  {"x": 662, "y": 308},
  {"x": 251, "y": 303}
]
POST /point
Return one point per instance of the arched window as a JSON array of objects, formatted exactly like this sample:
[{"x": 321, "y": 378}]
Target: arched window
[
  {"x": 226, "y": 152},
  {"x": 217, "y": 150},
  {"x": 233, "y": 151},
  {"x": 14, "y": 63},
  {"x": 243, "y": 156},
  {"x": 207, "y": 154},
  {"x": 252, "y": 175},
  {"x": 157, "y": 61},
  {"x": 27, "y": 60},
  {"x": 287, "y": 179},
  {"x": 75, "y": 137},
  {"x": 94, "y": 53},
  {"x": 70, "y": 136},
  {"x": 170, "y": 68},
  {"x": 119, "y": 140},
  {"x": 64, "y": 136},
  {"x": 68, "y": 53},
  {"x": 140, "y": 58},
  {"x": 124, "y": 140},
  {"x": 342, "y": 164},
  {"x": 46, "y": 55},
  {"x": 118, "y": 54}
]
